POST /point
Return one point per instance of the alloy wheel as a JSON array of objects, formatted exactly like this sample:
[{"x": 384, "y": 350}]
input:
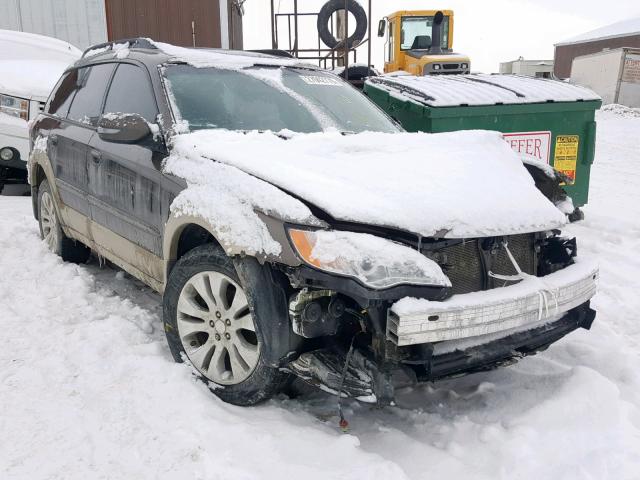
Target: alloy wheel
[
  {"x": 216, "y": 328},
  {"x": 49, "y": 222}
]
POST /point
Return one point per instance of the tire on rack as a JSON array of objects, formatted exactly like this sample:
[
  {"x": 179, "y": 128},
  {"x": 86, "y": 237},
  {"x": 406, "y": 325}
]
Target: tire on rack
[
  {"x": 51, "y": 231},
  {"x": 329, "y": 9},
  {"x": 231, "y": 328}
]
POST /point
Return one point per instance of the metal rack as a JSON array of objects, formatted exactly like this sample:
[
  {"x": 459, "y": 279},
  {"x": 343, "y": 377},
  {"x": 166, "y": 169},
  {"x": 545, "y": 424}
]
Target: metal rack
[{"x": 326, "y": 57}]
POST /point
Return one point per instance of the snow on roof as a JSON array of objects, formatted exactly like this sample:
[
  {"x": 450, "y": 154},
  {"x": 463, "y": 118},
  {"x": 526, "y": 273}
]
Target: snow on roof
[
  {"x": 456, "y": 185},
  {"x": 479, "y": 89},
  {"x": 21, "y": 46},
  {"x": 30, "y": 65},
  {"x": 31, "y": 79},
  {"x": 229, "y": 59},
  {"x": 619, "y": 29}
]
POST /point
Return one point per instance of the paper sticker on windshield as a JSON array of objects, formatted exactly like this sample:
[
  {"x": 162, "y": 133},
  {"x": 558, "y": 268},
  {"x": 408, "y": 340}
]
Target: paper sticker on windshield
[
  {"x": 566, "y": 155},
  {"x": 321, "y": 80}
]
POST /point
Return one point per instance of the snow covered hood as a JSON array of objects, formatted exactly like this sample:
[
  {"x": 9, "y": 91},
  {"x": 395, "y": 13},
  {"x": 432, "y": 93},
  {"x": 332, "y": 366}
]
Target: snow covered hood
[
  {"x": 30, "y": 64},
  {"x": 31, "y": 79},
  {"x": 480, "y": 89},
  {"x": 454, "y": 185}
]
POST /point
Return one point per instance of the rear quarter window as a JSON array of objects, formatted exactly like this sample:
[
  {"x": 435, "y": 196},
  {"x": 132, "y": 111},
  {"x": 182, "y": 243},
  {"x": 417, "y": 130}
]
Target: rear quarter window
[{"x": 60, "y": 101}]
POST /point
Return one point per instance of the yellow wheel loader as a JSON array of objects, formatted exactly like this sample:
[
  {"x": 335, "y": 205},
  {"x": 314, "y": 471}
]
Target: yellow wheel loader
[{"x": 420, "y": 42}]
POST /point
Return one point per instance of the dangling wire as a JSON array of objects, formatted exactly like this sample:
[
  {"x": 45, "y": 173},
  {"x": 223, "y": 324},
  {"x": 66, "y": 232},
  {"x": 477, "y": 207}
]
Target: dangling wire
[{"x": 344, "y": 425}]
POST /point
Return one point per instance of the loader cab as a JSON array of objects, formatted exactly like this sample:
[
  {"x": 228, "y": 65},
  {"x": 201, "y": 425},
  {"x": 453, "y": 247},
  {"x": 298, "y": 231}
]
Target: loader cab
[{"x": 421, "y": 43}]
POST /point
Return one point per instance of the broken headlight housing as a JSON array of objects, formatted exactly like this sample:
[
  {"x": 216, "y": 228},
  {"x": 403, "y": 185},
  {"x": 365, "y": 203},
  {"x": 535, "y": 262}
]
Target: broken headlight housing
[
  {"x": 14, "y": 106},
  {"x": 374, "y": 261}
]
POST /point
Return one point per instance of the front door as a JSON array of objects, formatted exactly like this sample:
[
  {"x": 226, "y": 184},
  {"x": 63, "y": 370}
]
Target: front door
[{"x": 125, "y": 179}]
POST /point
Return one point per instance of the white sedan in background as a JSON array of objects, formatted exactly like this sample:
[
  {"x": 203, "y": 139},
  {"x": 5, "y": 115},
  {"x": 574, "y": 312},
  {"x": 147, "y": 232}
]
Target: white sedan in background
[{"x": 30, "y": 66}]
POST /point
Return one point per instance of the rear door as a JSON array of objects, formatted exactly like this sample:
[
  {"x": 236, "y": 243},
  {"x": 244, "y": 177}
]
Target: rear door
[
  {"x": 126, "y": 179},
  {"x": 77, "y": 105}
]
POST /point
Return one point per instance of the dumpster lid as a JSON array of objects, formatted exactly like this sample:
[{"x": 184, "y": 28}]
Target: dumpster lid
[{"x": 480, "y": 89}]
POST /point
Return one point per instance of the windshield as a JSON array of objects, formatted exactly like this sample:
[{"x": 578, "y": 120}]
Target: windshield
[
  {"x": 417, "y": 32},
  {"x": 262, "y": 98}
]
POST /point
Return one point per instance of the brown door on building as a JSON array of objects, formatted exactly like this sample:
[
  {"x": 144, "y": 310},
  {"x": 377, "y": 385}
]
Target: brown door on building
[{"x": 186, "y": 23}]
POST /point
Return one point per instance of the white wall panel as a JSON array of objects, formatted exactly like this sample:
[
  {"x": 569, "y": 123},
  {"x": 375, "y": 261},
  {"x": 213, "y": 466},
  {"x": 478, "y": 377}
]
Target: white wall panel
[{"x": 79, "y": 22}]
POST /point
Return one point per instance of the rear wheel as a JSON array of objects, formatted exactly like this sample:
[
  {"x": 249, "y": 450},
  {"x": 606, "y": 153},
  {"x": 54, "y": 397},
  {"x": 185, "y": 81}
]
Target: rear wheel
[
  {"x": 210, "y": 321},
  {"x": 51, "y": 232}
]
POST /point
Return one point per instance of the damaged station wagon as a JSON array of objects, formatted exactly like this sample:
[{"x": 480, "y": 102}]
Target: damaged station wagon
[{"x": 294, "y": 229}]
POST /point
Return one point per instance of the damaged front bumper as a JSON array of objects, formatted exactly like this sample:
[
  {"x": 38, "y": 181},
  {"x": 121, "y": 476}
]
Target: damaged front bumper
[{"x": 533, "y": 301}]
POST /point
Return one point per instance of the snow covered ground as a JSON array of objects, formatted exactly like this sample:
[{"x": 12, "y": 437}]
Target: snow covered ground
[{"x": 88, "y": 388}]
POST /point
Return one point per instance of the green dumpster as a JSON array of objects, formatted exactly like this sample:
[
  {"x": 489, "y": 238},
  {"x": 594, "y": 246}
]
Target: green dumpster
[{"x": 546, "y": 120}]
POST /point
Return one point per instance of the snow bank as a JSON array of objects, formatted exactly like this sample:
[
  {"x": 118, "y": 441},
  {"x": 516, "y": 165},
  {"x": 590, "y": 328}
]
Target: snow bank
[
  {"x": 479, "y": 89},
  {"x": 622, "y": 110},
  {"x": 455, "y": 185},
  {"x": 229, "y": 200}
]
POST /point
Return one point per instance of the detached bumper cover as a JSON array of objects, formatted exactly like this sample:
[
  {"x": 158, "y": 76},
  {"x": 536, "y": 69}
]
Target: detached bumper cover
[{"x": 528, "y": 303}]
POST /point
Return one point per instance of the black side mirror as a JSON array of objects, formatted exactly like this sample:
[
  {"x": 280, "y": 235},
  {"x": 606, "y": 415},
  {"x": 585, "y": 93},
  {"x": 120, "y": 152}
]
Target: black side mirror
[
  {"x": 382, "y": 26},
  {"x": 123, "y": 127}
]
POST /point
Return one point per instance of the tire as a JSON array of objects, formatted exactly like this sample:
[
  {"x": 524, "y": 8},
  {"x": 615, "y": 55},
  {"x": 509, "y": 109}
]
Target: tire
[
  {"x": 329, "y": 9},
  {"x": 51, "y": 232},
  {"x": 229, "y": 352}
]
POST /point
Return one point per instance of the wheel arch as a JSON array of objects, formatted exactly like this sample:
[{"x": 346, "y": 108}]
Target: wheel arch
[
  {"x": 184, "y": 233},
  {"x": 36, "y": 177}
]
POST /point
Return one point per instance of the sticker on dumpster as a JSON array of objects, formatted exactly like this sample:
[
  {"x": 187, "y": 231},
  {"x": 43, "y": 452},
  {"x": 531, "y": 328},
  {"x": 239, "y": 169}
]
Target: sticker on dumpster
[
  {"x": 566, "y": 155},
  {"x": 536, "y": 145}
]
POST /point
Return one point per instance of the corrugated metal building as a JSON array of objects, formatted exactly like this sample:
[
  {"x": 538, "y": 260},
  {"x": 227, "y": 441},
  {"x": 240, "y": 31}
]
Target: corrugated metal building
[
  {"x": 201, "y": 23},
  {"x": 616, "y": 35}
]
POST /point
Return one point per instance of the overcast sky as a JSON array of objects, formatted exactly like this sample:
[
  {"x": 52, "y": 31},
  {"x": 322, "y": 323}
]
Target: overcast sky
[{"x": 489, "y": 31}]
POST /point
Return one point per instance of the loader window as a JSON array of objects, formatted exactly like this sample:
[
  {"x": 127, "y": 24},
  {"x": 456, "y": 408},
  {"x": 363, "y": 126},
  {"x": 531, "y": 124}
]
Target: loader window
[{"x": 417, "y": 33}]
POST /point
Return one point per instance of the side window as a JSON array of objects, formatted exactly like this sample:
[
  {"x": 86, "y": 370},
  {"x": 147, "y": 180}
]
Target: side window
[
  {"x": 90, "y": 87},
  {"x": 63, "y": 94},
  {"x": 131, "y": 92}
]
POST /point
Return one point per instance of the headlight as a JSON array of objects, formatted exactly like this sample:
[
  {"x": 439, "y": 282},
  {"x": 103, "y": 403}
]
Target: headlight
[
  {"x": 374, "y": 261},
  {"x": 436, "y": 66},
  {"x": 14, "y": 106},
  {"x": 465, "y": 65}
]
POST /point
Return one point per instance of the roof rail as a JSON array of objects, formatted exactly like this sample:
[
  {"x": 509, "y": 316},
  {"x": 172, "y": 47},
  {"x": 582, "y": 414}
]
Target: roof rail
[{"x": 133, "y": 43}]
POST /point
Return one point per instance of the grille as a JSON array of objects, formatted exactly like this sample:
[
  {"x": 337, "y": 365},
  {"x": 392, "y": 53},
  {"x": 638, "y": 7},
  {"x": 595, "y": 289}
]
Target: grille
[
  {"x": 462, "y": 263},
  {"x": 466, "y": 264},
  {"x": 450, "y": 66},
  {"x": 521, "y": 247}
]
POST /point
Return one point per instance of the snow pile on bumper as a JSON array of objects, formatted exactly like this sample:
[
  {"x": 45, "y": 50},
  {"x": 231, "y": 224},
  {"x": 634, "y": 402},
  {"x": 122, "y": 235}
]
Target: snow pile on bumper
[{"x": 533, "y": 300}]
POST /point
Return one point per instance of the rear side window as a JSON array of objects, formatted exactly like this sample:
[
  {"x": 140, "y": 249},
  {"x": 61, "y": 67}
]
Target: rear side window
[
  {"x": 63, "y": 95},
  {"x": 131, "y": 92},
  {"x": 91, "y": 85}
]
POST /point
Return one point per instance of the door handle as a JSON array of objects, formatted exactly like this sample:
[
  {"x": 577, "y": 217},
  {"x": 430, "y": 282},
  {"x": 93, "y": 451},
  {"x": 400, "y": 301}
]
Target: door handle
[
  {"x": 54, "y": 139},
  {"x": 96, "y": 156}
]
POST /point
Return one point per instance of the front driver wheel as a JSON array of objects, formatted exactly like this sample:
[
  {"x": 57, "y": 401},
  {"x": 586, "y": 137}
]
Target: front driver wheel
[{"x": 210, "y": 322}]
